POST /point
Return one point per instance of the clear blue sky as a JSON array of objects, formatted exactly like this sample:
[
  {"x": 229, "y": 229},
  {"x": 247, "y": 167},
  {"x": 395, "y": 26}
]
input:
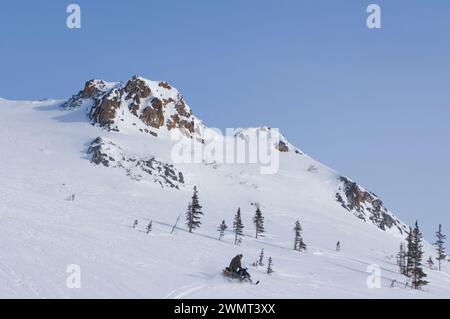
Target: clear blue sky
[{"x": 373, "y": 104}]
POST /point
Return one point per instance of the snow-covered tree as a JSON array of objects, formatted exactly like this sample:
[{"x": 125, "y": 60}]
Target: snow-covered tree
[
  {"x": 261, "y": 258},
  {"x": 338, "y": 246},
  {"x": 439, "y": 244},
  {"x": 430, "y": 263},
  {"x": 135, "y": 223},
  {"x": 269, "y": 266},
  {"x": 417, "y": 274},
  {"x": 401, "y": 259},
  {"x": 189, "y": 217},
  {"x": 238, "y": 227},
  {"x": 258, "y": 220},
  {"x": 298, "y": 240},
  {"x": 222, "y": 227},
  {"x": 409, "y": 252},
  {"x": 194, "y": 212}
]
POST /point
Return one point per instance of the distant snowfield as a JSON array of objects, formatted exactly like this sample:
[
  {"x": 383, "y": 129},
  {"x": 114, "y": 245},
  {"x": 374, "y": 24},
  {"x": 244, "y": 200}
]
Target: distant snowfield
[{"x": 43, "y": 161}]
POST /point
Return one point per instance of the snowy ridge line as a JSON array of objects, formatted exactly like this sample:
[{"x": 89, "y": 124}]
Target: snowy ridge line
[{"x": 155, "y": 108}]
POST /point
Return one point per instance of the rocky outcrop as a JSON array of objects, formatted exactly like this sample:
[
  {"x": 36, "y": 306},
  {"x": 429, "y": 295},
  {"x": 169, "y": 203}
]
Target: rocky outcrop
[
  {"x": 99, "y": 152},
  {"x": 152, "y": 105},
  {"x": 107, "y": 153},
  {"x": 136, "y": 89},
  {"x": 366, "y": 206},
  {"x": 165, "y": 85},
  {"x": 282, "y": 147},
  {"x": 105, "y": 111},
  {"x": 153, "y": 115},
  {"x": 92, "y": 89}
]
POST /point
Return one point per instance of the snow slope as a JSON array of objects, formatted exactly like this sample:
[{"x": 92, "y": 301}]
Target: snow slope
[{"x": 44, "y": 161}]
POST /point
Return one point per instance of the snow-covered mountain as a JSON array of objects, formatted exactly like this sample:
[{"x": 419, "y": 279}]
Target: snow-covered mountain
[
  {"x": 156, "y": 107},
  {"x": 110, "y": 148}
]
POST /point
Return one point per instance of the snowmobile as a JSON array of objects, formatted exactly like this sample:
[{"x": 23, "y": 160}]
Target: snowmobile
[{"x": 242, "y": 276}]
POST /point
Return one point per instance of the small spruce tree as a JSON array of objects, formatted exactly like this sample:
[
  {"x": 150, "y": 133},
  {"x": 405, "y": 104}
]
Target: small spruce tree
[
  {"x": 135, "y": 223},
  {"x": 149, "y": 227},
  {"x": 430, "y": 263},
  {"x": 439, "y": 244},
  {"x": 417, "y": 274},
  {"x": 194, "y": 212},
  {"x": 409, "y": 253},
  {"x": 222, "y": 227},
  {"x": 269, "y": 266},
  {"x": 299, "y": 244},
  {"x": 258, "y": 220},
  {"x": 189, "y": 217},
  {"x": 401, "y": 259},
  {"x": 261, "y": 258},
  {"x": 238, "y": 227}
]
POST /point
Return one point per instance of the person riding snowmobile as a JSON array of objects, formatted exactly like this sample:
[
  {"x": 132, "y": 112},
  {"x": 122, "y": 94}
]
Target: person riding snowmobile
[
  {"x": 236, "y": 266},
  {"x": 235, "y": 270}
]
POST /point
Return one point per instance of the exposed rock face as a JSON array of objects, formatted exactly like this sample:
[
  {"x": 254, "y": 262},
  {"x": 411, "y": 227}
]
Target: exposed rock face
[
  {"x": 99, "y": 154},
  {"x": 282, "y": 147},
  {"x": 154, "y": 105},
  {"x": 92, "y": 90},
  {"x": 107, "y": 153},
  {"x": 366, "y": 206},
  {"x": 105, "y": 110},
  {"x": 165, "y": 85},
  {"x": 153, "y": 115},
  {"x": 136, "y": 89}
]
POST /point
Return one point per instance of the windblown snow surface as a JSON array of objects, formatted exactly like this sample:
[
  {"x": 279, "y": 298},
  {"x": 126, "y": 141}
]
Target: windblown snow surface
[{"x": 43, "y": 161}]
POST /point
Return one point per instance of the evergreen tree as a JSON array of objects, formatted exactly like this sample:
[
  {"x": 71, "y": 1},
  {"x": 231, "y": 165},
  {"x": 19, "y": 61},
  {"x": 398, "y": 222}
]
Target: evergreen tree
[
  {"x": 298, "y": 241},
  {"x": 222, "y": 227},
  {"x": 269, "y": 266},
  {"x": 149, "y": 227},
  {"x": 194, "y": 212},
  {"x": 430, "y": 263},
  {"x": 417, "y": 274},
  {"x": 258, "y": 220},
  {"x": 189, "y": 217},
  {"x": 401, "y": 259},
  {"x": 238, "y": 227},
  {"x": 261, "y": 258},
  {"x": 439, "y": 244},
  {"x": 338, "y": 246},
  {"x": 135, "y": 223},
  {"x": 409, "y": 253}
]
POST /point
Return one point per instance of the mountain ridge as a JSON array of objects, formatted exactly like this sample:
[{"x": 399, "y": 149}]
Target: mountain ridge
[{"x": 156, "y": 107}]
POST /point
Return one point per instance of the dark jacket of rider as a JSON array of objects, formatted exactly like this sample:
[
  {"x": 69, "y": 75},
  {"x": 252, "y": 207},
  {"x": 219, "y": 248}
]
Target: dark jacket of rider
[{"x": 235, "y": 263}]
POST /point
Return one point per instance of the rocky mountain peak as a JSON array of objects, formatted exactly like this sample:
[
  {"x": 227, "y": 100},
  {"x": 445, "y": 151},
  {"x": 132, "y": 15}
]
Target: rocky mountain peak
[{"x": 139, "y": 104}]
